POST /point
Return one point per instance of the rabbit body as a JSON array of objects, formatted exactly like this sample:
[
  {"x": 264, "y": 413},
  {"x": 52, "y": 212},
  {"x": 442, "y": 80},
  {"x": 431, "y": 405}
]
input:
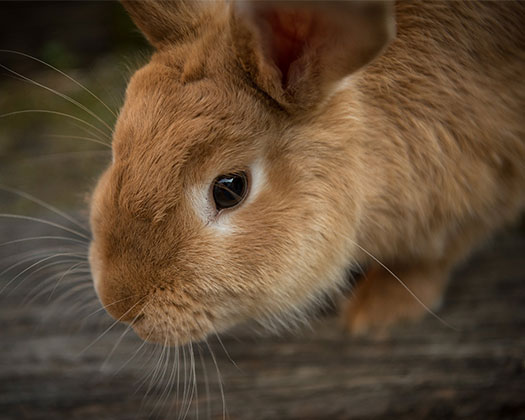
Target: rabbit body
[{"x": 362, "y": 149}]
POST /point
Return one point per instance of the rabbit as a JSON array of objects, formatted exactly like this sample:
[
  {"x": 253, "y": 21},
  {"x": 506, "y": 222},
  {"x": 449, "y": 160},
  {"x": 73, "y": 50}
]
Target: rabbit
[{"x": 267, "y": 148}]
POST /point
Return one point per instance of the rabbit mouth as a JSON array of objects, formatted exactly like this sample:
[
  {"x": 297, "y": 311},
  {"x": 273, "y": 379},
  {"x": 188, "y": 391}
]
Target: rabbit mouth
[{"x": 161, "y": 327}]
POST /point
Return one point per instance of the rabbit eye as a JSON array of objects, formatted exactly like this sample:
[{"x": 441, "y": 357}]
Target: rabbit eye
[{"x": 229, "y": 190}]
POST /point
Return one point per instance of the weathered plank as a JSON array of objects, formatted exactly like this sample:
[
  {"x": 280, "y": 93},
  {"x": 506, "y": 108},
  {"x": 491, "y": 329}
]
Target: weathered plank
[{"x": 423, "y": 371}]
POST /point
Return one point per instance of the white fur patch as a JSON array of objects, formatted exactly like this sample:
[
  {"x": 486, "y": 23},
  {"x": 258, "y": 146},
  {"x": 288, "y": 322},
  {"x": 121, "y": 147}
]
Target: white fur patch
[
  {"x": 258, "y": 181},
  {"x": 224, "y": 222}
]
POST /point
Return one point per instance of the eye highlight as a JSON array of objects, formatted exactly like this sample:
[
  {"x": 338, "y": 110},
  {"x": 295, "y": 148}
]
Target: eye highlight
[{"x": 229, "y": 190}]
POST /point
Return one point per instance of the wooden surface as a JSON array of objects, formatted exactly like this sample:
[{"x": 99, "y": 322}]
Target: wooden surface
[{"x": 424, "y": 371}]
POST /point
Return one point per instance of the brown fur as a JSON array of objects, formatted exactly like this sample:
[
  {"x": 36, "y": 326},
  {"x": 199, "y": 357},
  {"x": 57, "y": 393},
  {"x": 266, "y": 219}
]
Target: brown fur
[{"x": 414, "y": 159}]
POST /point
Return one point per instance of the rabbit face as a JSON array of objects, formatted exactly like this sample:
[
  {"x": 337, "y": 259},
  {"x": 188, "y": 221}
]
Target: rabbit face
[
  {"x": 165, "y": 257},
  {"x": 175, "y": 252}
]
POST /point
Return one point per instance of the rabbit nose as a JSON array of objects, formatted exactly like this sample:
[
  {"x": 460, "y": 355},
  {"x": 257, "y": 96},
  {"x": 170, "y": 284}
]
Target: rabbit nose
[
  {"x": 115, "y": 290},
  {"x": 119, "y": 303}
]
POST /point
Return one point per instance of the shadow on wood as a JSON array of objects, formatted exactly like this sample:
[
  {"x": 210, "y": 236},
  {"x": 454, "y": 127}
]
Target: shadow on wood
[{"x": 51, "y": 367}]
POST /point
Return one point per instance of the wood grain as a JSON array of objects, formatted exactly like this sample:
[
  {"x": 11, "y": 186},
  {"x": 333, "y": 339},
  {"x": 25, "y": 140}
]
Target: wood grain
[{"x": 423, "y": 371}]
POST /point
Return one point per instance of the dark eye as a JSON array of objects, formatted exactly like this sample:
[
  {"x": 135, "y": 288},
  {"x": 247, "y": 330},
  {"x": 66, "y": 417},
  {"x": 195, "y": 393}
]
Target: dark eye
[{"x": 229, "y": 190}]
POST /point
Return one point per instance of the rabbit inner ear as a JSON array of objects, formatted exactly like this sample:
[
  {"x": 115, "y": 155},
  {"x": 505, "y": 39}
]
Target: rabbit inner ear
[
  {"x": 289, "y": 31},
  {"x": 314, "y": 44}
]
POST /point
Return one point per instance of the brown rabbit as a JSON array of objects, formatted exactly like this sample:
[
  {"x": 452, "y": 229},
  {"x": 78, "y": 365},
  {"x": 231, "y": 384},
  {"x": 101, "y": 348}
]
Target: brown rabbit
[{"x": 267, "y": 148}]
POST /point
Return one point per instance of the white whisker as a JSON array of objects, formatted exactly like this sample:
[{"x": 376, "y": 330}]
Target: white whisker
[
  {"x": 219, "y": 378},
  {"x": 57, "y": 113},
  {"x": 92, "y": 140},
  {"x": 128, "y": 328},
  {"x": 70, "y": 270},
  {"x": 111, "y": 326},
  {"x": 45, "y": 222},
  {"x": 134, "y": 354},
  {"x": 64, "y": 156},
  {"x": 225, "y": 351},
  {"x": 32, "y": 256},
  {"x": 37, "y": 270},
  {"x": 43, "y": 204},
  {"x": 104, "y": 307},
  {"x": 70, "y": 292},
  {"x": 59, "y": 94},
  {"x": 156, "y": 372},
  {"x": 149, "y": 372},
  {"x": 172, "y": 377},
  {"x": 63, "y": 74},
  {"x": 206, "y": 383},
  {"x": 402, "y": 283},
  {"x": 194, "y": 389},
  {"x": 185, "y": 383},
  {"x": 160, "y": 399},
  {"x": 35, "y": 238},
  {"x": 45, "y": 283}
]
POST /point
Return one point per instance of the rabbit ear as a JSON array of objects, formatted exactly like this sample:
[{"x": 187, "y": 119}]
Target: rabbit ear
[
  {"x": 297, "y": 50},
  {"x": 165, "y": 21}
]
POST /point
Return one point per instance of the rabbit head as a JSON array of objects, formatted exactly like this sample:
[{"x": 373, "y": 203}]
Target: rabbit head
[{"x": 229, "y": 198}]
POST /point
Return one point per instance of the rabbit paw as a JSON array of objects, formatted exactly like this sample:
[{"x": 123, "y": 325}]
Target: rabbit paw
[{"x": 380, "y": 301}]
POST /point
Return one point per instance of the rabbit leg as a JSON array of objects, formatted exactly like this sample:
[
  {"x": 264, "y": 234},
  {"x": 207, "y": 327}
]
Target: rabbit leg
[{"x": 381, "y": 300}]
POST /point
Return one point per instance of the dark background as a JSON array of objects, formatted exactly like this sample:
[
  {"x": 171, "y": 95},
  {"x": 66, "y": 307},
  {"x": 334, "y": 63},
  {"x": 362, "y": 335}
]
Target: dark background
[
  {"x": 93, "y": 42},
  {"x": 50, "y": 366},
  {"x": 67, "y": 34}
]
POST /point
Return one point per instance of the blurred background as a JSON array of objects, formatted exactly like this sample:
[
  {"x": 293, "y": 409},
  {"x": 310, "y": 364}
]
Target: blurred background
[
  {"x": 58, "y": 361},
  {"x": 96, "y": 44}
]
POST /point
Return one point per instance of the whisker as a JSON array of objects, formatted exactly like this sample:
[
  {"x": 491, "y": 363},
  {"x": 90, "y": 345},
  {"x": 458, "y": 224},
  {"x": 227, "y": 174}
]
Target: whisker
[
  {"x": 80, "y": 288},
  {"x": 172, "y": 377},
  {"x": 111, "y": 326},
  {"x": 402, "y": 283},
  {"x": 160, "y": 404},
  {"x": 104, "y": 307},
  {"x": 70, "y": 298},
  {"x": 194, "y": 388},
  {"x": 90, "y": 139},
  {"x": 69, "y": 292},
  {"x": 88, "y": 305},
  {"x": 128, "y": 328},
  {"x": 43, "y": 284},
  {"x": 63, "y": 74},
  {"x": 164, "y": 369},
  {"x": 185, "y": 388},
  {"x": 225, "y": 351},
  {"x": 32, "y": 256},
  {"x": 219, "y": 378},
  {"x": 73, "y": 311},
  {"x": 64, "y": 155},
  {"x": 134, "y": 354},
  {"x": 156, "y": 371},
  {"x": 43, "y": 204},
  {"x": 178, "y": 379},
  {"x": 87, "y": 295},
  {"x": 91, "y": 133},
  {"x": 59, "y": 94},
  {"x": 72, "y": 291},
  {"x": 70, "y": 270},
  {"x": 37, "y": 270},
  {"x": 206, "y": 383},
  {"x": 60, "y": 114},
  {"x": 35, "y": 238},
  {"x": 45, "y": 222},
  {"x": 70, "y": 282},
  {"x": 149, "y": 372}
]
